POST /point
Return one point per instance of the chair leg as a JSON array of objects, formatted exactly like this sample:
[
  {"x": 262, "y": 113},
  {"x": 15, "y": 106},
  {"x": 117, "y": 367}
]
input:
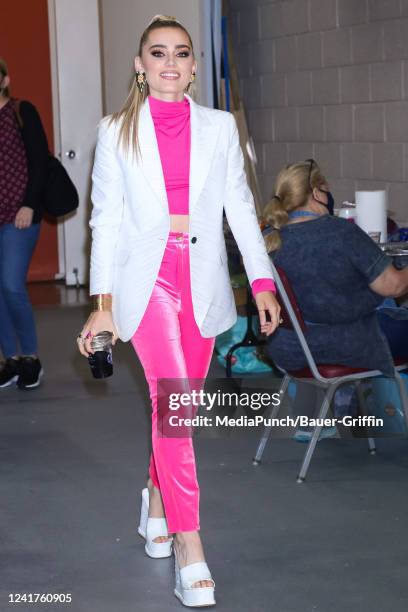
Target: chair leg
[
  {"x": 312, "y": 444},
  {"x": 363, "y": 409},
  {"x": 403, "y": 395},
  {"x": 268, "y": 428}
]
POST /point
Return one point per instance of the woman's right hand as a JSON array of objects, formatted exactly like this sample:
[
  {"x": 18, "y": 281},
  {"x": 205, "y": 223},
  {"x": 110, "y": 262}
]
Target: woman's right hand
[{"x": 98, "y": 321}]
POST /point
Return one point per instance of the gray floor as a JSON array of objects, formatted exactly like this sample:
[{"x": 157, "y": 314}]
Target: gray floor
[{"x": 73, "y": 462}]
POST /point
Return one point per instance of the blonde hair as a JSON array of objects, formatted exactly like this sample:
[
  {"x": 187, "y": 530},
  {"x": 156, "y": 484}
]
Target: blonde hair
[
  {"x": 128, "y": 115},
  {"x": 4, "y": 72},
  {"x": 292, "y": 190}
]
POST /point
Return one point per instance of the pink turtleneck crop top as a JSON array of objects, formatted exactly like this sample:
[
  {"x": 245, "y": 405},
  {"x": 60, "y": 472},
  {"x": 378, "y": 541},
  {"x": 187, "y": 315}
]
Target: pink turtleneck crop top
[{"x": 172, "y": 126}]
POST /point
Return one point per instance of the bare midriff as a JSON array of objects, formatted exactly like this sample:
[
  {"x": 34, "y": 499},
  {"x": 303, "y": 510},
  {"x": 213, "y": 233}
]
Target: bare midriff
[{"x": 179, "y": 223}]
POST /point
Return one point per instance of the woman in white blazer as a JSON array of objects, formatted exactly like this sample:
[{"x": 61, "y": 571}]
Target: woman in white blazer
[{"x": 165, "y": 169}]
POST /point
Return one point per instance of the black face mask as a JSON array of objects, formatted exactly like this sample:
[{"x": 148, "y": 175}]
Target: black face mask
[{"x": 330, "y": 201}]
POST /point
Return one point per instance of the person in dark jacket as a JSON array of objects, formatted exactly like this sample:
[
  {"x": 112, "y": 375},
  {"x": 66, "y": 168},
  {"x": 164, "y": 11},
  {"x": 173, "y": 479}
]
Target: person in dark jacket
[{"x": 23, "y": 168}]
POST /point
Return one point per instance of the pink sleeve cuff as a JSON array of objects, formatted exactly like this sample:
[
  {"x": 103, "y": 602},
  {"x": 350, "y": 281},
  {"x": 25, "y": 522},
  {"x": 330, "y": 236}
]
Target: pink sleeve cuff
[{"x": 262, "y": 284}]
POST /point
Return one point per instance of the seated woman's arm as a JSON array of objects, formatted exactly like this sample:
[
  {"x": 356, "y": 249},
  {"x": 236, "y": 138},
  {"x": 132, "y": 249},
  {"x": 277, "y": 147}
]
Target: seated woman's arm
[
  {"x": 391, "y": 282},
  {"x": 382, "y": 277}
]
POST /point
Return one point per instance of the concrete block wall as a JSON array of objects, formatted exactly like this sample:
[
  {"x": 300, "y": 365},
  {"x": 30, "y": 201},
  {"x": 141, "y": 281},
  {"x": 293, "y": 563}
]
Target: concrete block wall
[{"x": 327, "y": 79}]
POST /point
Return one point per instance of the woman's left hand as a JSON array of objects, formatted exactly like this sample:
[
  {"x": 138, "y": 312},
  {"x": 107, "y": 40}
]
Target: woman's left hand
[
  {"x": 267, "y": 302},
  {"x": 24, "y": 217}
]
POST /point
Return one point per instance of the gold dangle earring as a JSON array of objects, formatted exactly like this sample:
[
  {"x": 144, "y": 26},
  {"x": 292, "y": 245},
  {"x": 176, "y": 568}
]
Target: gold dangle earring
[
  {"x": 140, "y": 80},
  {"x": 192, "y": 79}
]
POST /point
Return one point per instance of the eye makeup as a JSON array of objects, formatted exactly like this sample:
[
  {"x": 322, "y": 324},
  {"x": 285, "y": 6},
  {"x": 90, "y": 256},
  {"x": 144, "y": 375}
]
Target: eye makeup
[{"x": 159, "y": 53}]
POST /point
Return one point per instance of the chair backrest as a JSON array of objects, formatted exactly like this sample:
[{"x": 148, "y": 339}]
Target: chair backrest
[
  {"x": 292, "y": 316},
  {"x": 287, "y": 322}
]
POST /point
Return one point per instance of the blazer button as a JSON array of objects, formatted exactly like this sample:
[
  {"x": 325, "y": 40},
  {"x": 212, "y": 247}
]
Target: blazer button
[{"x": 194, "y": 240}]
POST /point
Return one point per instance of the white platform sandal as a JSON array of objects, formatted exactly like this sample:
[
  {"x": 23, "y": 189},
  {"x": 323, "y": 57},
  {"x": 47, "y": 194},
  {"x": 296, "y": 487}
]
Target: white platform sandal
[
  {"x": 194, "y": 597},
  {"x": 151, "y": 528}
]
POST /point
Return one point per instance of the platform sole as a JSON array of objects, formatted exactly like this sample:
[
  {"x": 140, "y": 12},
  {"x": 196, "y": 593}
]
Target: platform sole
[{"x": 201, "y": 599}]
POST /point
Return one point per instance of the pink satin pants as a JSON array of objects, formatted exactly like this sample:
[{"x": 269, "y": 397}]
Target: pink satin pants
[{"x": 169, "y": 345}]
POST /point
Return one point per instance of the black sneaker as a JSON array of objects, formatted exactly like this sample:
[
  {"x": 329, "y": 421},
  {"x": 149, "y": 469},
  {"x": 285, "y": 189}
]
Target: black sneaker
[
  {"x": 9, "y": 372},
  {"x": 30, "y": 372}
]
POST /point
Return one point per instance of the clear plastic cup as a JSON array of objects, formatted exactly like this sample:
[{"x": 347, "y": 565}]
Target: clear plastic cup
[{"x": 348, "y": 211}]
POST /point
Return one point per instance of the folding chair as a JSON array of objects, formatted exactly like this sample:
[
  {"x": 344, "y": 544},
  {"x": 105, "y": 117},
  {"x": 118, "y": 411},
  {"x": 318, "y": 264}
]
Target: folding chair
[{"x": 328, "y": 377}]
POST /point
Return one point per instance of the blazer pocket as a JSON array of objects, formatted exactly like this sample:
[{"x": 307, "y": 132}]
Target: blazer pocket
[{"x": 132, "y": 246}]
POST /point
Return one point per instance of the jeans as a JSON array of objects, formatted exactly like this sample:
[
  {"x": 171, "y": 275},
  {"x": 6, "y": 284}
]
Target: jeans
[
  {"x": 169, "y": 345},
  {"x": 17, "y": 327}
]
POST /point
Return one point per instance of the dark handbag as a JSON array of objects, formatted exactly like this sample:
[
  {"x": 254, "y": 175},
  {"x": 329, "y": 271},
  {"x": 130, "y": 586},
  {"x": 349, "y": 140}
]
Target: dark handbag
[{"x": 60, "y": 194}]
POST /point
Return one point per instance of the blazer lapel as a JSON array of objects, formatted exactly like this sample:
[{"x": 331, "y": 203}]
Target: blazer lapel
[
  {"x": 150, "y": 164},
  {"x": 204, "y": 136}
]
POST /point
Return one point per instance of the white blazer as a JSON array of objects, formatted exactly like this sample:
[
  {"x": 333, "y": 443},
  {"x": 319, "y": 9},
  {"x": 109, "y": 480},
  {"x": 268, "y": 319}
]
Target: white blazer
[{"x": 130, "y": 220}]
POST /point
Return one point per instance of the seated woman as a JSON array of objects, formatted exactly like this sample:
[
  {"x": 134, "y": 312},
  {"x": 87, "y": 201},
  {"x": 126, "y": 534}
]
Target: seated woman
[{"x": 338, "y": 274}]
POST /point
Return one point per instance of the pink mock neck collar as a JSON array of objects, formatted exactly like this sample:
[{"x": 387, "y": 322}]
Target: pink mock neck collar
[{"x": 168, "y": 109}]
